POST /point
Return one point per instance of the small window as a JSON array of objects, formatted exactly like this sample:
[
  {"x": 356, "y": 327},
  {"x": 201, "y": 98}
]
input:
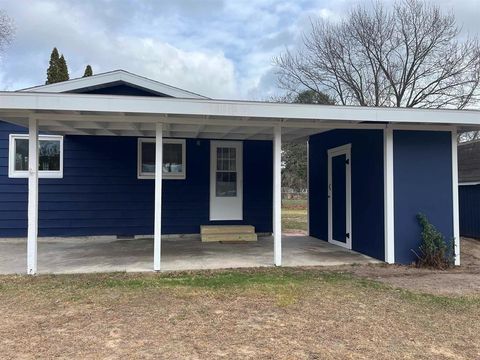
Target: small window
[
  {"x": 173, "y": 158},
  {"x": 50, "y": 156}
]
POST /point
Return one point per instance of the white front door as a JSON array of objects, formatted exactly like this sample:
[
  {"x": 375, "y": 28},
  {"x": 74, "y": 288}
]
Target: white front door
[
  {"x": 339, "y": 196},
  {"x": 226, "y": 180}
]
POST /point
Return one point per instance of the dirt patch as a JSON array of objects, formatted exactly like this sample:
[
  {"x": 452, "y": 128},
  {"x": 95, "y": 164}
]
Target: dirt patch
[{"x": 462, "y": 280}]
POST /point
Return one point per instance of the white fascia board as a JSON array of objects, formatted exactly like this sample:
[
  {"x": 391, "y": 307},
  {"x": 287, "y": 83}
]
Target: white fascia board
[
  {"x": 229, "y": 108},
  {"x": 111, "y": 77}
]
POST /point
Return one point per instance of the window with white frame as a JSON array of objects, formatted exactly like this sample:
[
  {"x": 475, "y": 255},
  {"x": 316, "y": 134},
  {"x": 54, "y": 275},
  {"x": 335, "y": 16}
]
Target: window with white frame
[
  {"x": 50, "y": 156},
  {"x": 173, "y": 158}
]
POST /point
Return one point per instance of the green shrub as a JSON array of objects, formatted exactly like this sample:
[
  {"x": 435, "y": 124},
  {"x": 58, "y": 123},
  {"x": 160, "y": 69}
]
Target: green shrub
[{"x": 434, "y": 252}]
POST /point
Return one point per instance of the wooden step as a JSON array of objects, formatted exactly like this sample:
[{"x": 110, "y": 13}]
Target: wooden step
[
  {"x": 229, "y": 237},
  {"x": 226, "y": 229},
  {"x": 227, "y": 233}
]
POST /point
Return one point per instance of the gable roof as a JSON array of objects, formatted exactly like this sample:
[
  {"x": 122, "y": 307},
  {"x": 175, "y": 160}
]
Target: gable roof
[
  {"x": 111, "y": 78},
  {"x": 469, "y": 162}
]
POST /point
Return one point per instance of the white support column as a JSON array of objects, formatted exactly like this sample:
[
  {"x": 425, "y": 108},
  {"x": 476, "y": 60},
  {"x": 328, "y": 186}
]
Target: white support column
[
  {"x": 388, "y": 195},
  {"x": 277, "y": 195},
  {"x": 32, "y": 196},
  {"x": 157, "y": 247},
  {"x": 308, "y": 187},
  {"x": 456, "y": 221}
]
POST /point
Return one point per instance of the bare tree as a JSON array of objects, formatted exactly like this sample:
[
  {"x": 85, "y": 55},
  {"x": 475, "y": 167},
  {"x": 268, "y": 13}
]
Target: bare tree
[
  {"x": 410, "y": 55},
  {"x": 7, "y": 30},
  {"x": 468, "y": 136}
]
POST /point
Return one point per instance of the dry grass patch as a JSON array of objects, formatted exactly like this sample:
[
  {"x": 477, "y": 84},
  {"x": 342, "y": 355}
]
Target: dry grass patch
[
  {"x": 258, "y": 313},
  {"x": 294, "y": 216}
]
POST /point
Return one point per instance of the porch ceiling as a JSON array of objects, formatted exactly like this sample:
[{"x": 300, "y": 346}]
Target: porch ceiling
[
  {"x": 80, "y": 114},
  {"x": 124, "y": 124}
]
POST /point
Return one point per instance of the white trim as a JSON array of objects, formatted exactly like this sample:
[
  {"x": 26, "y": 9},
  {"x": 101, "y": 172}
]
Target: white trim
[
  {"x": 279, "y": 112},
  {"x": 277, "y": 195},
  {"x": 343, "y": 149},
  {"x": 421, "y": 127},
  {"x": 96, "y": 81},
  {"x": 226, "y": 208},
  {"x": 32, "y": 231},
  {"x": 472, "y": 183},
  {"x": 456, "y": 221},
  {"x": 42, "y": 174},
  {"x": 388, "y": 195},
  {"x": 337, "y": 151},
  {"x": 167, "y": 176},
  {"x": 157, "y": 242},
  {"x": 308, "y": 187}
]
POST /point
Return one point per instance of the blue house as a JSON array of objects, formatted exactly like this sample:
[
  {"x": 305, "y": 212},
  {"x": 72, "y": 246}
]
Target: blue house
[{"x": 82, "y": 157}]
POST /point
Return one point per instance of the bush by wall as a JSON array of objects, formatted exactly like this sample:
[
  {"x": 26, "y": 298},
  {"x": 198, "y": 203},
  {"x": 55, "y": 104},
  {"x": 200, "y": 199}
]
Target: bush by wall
[{"x": 434, "y": 251}]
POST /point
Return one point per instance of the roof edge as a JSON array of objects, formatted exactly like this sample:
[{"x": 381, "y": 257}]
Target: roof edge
[{"x": 112, "y": 76}]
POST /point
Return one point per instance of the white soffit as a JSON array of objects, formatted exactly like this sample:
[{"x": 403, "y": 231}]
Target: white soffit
[{"x": 154, "y": 108}]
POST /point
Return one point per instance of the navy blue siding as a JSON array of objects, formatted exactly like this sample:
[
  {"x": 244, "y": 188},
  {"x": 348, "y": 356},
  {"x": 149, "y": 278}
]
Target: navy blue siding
[
  {"x": 422, "y": 163},
  {"x": 101, "y": 195},
  {"x": 120, "y": 89},
  {"x": 469, "y": 209},
  {"x": 367, "y": 187}
]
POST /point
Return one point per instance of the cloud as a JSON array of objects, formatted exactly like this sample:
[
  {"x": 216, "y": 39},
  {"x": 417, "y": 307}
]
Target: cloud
[
  {"x": 218, "y": 48},
  {"x": 86, "y": 40}
]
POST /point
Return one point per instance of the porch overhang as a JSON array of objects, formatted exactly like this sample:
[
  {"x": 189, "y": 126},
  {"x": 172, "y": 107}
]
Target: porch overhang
[{"x": 114, "y": 115}]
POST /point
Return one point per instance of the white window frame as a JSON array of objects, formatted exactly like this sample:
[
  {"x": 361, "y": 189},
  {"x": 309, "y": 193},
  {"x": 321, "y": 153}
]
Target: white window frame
[
  {"x": 166, "y": 176},
  {"x": 45, "y": 174}
]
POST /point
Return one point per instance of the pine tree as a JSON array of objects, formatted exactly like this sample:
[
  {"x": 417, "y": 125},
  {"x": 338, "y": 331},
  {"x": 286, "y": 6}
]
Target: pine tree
[
  {"x": 57, "y": 70},
  {"x": 52, "y": 71},
  {"x": 88, "y": 71},
  {"x": 62, "y": 69}
]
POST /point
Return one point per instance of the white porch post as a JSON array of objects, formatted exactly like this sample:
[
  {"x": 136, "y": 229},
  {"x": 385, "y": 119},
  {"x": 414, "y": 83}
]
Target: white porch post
[
  {"x": 456, "y": 219},
  {"x": 308, "y": 187},
  {"x": 157, "y": 247},
  {"x": 277, "y": 195},
  {"x": 32, "y": 196},
  {"x": 388, "y": 195}
]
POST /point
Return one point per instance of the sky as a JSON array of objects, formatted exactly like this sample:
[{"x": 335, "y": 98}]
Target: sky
[{"x": 220, "y": 49}]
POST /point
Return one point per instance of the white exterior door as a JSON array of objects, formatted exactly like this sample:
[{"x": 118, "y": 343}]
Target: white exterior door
[
  {"x": 226, "y": 180},
  {"x": 339, "y": 196}
]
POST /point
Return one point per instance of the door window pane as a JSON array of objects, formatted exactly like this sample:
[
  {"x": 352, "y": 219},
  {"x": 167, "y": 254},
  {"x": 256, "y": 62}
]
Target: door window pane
[
  {"x": 226, "y": 176},
  {"x": 226, "y": 159},
  {"x": 226, "y": 184}
]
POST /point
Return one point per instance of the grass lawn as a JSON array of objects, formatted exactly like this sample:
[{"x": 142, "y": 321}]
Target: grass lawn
[
  {"x": 276, "y": 313},
  {"x": 294, "y": 216}
]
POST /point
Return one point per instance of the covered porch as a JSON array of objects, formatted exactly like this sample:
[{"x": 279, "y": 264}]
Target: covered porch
[
  {"x": 159, "y": 118},
  {"x": 109, "y": 254}
]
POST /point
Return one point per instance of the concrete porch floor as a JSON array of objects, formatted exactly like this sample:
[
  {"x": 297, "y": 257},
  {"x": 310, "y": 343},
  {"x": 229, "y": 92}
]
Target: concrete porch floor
[{"x": 108, "y": 254}]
